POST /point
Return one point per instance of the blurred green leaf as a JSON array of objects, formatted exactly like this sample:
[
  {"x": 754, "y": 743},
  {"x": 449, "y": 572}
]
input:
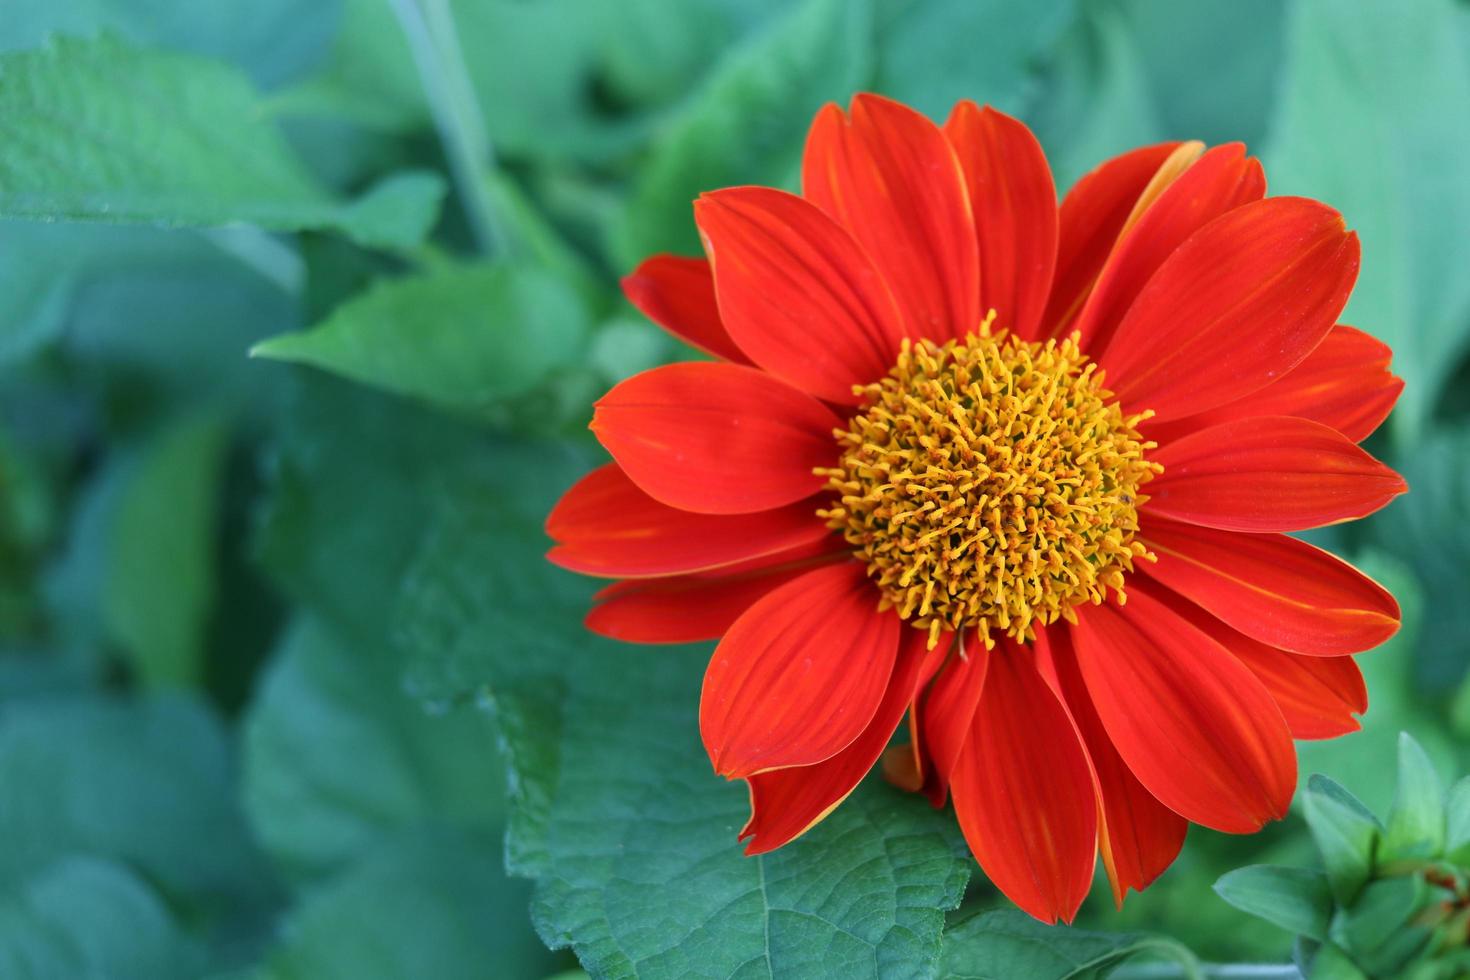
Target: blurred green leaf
[
  {"x": 469, "y": 338},
  {"x": 434, "y": 906},
  {"x": 1416, "y": 824},
  {"x": 146, "y": 782},
  {"x": 1331, "y": 963},
  {"x": 1457, "y": 819},
  {"x": 1371, "y": 121},
  {"x": 746, "y": 123},
  {"x": 87, "y": 917},
  {"x": 1008, "y": 944},
  {"x": 1378, "y": 930},
  {"x": 100, "y": 130},
  {"x": 159, "y": 588},
  {"x": 339, "y": 759},
  {"x": 1296, "y": 899},
  {"x": 932, "y": 53},
  {"x": 1346, "y": 833}
]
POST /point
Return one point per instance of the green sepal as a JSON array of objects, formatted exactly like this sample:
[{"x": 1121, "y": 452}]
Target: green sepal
[
  {"x": 1346, "y": 833},
  {"x": 1296, "y": 899},
  {"x": 1416, "y": 824}
]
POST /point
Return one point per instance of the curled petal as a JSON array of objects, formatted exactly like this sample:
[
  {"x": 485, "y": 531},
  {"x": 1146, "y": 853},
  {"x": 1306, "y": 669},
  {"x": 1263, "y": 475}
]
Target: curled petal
[
  {"x": 1279, "y": 590},
  {"x": 1244, "y": 300},
  {"x": 799, "y": 676},
  {"x": 891, "y": 178},
  {"x": 605, "y": 525},
  {"x": 1269, "y": 473},
  {"x": 716, "y": 438},
  {"x": 678, "y": 294},
  {"x": 1193, "y": 724}
]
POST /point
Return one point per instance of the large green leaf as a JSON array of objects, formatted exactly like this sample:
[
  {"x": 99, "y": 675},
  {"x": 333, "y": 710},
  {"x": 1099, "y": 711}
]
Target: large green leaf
[
  {"x": 1006, "y": 945},
  {"x": 100, "y": 130},
  {"x": 1371, "y": 120},
  {"x": 88, "y": 917},
  {"x": 469, "y": 338},
  {"x": 932, "y": 53},
  {"x": 159, "y": 588},
  {"x": 747, "y": 122},
  {"x": 339, "y": 759},
  {"x": 426, "y": 906}
]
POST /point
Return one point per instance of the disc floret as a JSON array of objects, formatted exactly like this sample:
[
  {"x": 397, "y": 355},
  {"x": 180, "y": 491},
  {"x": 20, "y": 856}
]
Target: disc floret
[{"x": 991, "y": 484}]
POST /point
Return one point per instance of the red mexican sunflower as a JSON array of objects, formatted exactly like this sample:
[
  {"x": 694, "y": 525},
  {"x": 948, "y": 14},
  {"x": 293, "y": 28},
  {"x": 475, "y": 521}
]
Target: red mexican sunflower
[{"x": 1023, "y": 472}]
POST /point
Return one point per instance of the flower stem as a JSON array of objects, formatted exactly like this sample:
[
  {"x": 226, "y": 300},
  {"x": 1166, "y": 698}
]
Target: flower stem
[
  {"x": 429, "y": 28},
  {"x": 1210, "y": 971}
]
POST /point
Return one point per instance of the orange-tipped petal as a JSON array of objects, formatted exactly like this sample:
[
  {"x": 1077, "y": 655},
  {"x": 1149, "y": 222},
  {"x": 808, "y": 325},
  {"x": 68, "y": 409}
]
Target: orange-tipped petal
[
  {"x": 891, "y": 178},
  {"x": 799, "y": 676},
  {"x": 945, "y": 715},
  {"x": 1318, "y": 696},
  {"x": 1014, "y": 202},
  {"x": 1345, "y": 383},
  {"x": 1023, "y": 791},
  {"x": 1194, "y": 725},
  {"x": 678, "y": 294},
  {"x": 1138, "y": 837},
  {"x": 797, "y": 292},
  {"x": 1239, "y": 304},
  {"x": 1089, "y": 221},
  {"x": 716, "y": 438},
  {"x": 786, "y": 803},
  {"x": 604, "y": 525},
  {"x": 1269, "y": 473},
  {"x": 692, "y": 608},
  {"x": 1279, "y": 590},
  {"x": 1222, "y": 179}
]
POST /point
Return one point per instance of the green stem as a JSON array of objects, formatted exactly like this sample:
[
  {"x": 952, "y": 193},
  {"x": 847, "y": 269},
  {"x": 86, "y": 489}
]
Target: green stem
[
  {"x": 1210, "y": 971},
  {"x": 429, "y": 27}
]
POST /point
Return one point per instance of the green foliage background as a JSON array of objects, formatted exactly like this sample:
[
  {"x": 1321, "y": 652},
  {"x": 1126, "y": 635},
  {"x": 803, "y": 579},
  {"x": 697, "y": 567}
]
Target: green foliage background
[{"x": 287, "y": 690}]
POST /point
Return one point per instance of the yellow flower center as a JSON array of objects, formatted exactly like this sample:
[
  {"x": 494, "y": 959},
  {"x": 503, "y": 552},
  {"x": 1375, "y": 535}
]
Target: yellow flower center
[{"x": 992, "y": 483}]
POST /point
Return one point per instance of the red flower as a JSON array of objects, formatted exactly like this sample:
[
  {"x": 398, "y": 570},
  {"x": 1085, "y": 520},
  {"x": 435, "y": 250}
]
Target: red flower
[{"x": 942, "y": 401}]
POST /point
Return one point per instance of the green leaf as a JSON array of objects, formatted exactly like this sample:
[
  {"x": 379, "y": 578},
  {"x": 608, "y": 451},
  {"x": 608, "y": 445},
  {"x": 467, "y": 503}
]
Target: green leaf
[
  {"x": 1008, "y": 944},
  {"x": 1457, "y": 818},
  {"x": 932, "y": 53},
  {"x": 1296, "y": 899},
  {"x": 1378, "y": 930},
  {"x": 435, "y": 906},
  {"x": 99, "y": 130},
  {"x": 86, "y": 917},
  {"x": 1416, "y": 824},
  {"x": 1346, "y": 833},
  {"x": 145, "y": 782},
  {"x": 747, "y": 123},
  {"x": 1331, "y": 963},
  {"x": 1370, "y": 120},
  {"x": 159, "y": 588},
  {"x": 469, "y": 338},
  {"x": 339, "y": 759}
]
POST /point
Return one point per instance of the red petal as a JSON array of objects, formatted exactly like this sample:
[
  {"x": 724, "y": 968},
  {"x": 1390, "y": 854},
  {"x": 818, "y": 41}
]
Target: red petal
[
  {"x": 678, "y": 294},
  {"x": 1138, "y": 836},
  {"x": 1279, "y": 590},
  {"x": 1089, "y": 221},
  {"x": 1245, "y": 300},
  {"x": 786, "y": 803},
  {"x": 605, "y": 525},
  {"x": 1014, "y": 202},
  {"x": 799, "y": 676},
  {"x": 1222, "y": 179},
  {"x": 903, "y": 764},
  {"x": 1192, "y": 723},
  {"x": 716, "y": 438},
  {"x": 1344, "y": 383},
  {"x": 891, "y": 178},
  {"x": 946, "y": 713},
  {"x": 1318, "y": 696},
  {"x": 1272, "y": 473},
  {"x": 1023, "y": 791},
  {"x": 693, "y": 608},
  {"x": 797, "y": 293}
]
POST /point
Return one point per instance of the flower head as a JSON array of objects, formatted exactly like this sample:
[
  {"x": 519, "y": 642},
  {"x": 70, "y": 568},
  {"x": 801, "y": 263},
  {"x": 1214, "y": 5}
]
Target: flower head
[{"x": 1019, "y": 471}]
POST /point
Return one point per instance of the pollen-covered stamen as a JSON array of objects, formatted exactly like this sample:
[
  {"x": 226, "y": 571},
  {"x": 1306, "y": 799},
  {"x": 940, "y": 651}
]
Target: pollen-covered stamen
[{"x": 992, "y": 483}]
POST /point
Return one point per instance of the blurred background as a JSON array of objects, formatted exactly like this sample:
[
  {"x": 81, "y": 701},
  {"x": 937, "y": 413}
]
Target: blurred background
[{"x": 275, "y": 629}]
